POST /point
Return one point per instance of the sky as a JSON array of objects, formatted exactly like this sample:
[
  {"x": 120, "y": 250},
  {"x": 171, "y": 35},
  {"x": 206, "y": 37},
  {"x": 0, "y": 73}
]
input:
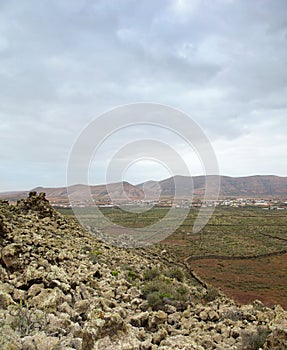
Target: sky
[{"x": 63, "y": 63}]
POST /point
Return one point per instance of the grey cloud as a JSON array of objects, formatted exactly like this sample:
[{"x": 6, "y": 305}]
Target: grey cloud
[{"x": 64, "y": 62}]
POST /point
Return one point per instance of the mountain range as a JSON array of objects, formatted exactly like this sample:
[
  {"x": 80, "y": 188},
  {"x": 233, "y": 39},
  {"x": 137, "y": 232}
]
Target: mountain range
[{"x": 258, "y": 186}]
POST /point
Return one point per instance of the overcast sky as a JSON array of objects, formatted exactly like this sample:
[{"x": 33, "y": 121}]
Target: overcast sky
[{"x": 64, "y": 62}]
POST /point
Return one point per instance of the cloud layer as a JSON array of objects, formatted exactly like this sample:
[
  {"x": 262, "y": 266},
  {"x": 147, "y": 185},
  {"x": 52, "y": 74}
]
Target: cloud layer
[{"x": 64, "y": 62}]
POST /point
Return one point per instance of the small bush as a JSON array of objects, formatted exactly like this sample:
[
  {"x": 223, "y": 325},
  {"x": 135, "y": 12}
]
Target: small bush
[
  {"x": 182, "y": 290},
  {"x": 126, "y": 266},
  {"x": 211, "y": 294},
  {"x": 96, "y": 252},
  {"x": 233, "y": 315},
  {"x": 94, "y": 256},
  {"x": 153, "y": 286},
  {"x": 115, "y": 273},
  {"x": 168, "y": 280},
  {"x": 157, "y": 290},
  {"x": 155, "y": 300},
  {"x": 132, "y": 276},
  {"x": 150, "y": 274},
  {"x": 175, "y": 273},
  {"x": 254, "y": 340},
  {"x": 26, "y": 320}
]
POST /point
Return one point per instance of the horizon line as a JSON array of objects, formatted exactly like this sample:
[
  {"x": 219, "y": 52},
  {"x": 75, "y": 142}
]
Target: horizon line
[{"x": 137, "y": 184}]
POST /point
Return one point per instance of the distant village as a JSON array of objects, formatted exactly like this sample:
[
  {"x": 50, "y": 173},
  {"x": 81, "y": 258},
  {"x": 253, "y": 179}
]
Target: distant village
[{"x": 266, "y": 204}]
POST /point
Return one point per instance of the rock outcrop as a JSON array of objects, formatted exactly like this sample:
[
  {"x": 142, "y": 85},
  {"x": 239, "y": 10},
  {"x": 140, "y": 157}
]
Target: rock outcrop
[{"x": 61, "y": 288}]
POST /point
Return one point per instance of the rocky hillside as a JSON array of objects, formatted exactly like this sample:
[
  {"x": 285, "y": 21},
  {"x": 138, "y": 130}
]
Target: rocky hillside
[{"x": 61, "y": 288}]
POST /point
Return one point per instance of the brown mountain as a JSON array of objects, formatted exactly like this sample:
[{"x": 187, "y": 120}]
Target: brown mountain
[
  {"x": 119, "y": 191},
  {"x": 258, "y": 186},
  {"x": 254, "y": 186}
]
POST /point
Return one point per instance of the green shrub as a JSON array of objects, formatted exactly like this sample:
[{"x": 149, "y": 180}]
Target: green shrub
[
  {"x": 132, "y": 276},
  {"x": 158, "y": 289},
  {"x": 115, "y": 273},
  {"x": 150, "y": 274},
  {"x": 94, "y": 256},
  {"x": 168, "y": 280},
  {"x": 175, "y": 273},
  {"x": 155, "y": 301},
  {"x": 96, "y": 252},
  {"x": 182, "y": 290},
  {"x": 154, "y": 286},
  {"x": 254, "y": 340}
]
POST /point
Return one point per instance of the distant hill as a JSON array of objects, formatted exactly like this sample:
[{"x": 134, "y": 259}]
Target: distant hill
[
  {"x": 258, "y": 186},
  {"x": 119, "y": 191}
]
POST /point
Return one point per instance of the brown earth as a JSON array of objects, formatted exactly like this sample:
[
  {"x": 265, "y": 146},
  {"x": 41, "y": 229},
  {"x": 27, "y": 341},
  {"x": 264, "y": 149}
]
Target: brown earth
[{"x": 247, "y": 280}]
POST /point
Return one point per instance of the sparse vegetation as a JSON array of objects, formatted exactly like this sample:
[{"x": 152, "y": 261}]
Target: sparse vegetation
[
  {"x": 254, "y": 340},
  {"x": 233, "y": 315},
  {"x": 211, "y": 294},
  {"x": 176, "y": 273},
  {"x": 160, "y": 288},
  {"x": 231, "y": 232},
  {"x": 96, "y": 252},
  {"x": 132, "y": 276},
  {"x": 26, "y": 320},
  {"x": 150, "y": 274},
  {"x": 95, "y": 255}
]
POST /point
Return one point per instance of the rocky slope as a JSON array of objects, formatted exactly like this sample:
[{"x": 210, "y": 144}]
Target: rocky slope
[{"x": 61, "y": 288}]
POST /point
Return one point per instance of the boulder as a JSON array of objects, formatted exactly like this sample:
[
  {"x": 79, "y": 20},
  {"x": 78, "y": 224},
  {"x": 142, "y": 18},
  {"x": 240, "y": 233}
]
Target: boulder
[
  {"x": 213, "y": 316},
  {"x": 5, "y": 300},
  {"x": 10, "y": 256},
  {"x": 203, "y": 315},
  {"x": 48, "y": 298},
  {"x": 157, "y": 318},
  {"x": 10, "y": 339},
  {"x": 159, "y": 336},
  {"x": 41, "y": 341},
  {"x": 140, "y": 320},
  {"x": 277, "y": 340}
]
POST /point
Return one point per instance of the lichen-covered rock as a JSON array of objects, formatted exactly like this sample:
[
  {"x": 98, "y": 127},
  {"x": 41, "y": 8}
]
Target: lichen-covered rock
[
  {"x": 41, "y": 341},
  {"x": 157, "y": 318},
  {"x": 181, "y": 343},
  {"x": 48, "y": 298},
  {"x": 5, "y": 300},
  {"x": 140, "y": 320},
  {"x": 203, "y": 315},
  {"x": 36, "y": 203},
  {"x": 123, "y": 342},
  {"x": 213, "y": 316},
  {"x": 277, "y": 340},
  {"x": 4, "y": 228},
  {"x": 103, "y": 324},
  {"x": 9, "y": 339},
  {"x": 158, "y": 336},
  {"x": 10, "y": 256}
]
